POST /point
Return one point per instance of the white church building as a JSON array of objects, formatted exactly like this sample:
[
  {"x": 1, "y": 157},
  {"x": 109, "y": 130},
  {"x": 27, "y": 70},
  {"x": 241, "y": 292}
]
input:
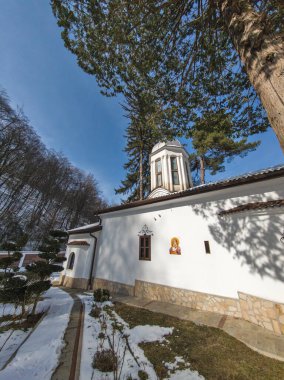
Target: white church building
[{"x": 217, "y": 247}]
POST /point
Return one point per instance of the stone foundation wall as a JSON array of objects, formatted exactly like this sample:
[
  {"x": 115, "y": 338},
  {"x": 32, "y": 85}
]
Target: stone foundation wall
[
  {"x": 114, "y": 287},
  {"x": 77, "y": 283},
  {"x": 259, "y": 311},
  {"x": 184, "y": 297},
  {"x": 267, "y": 314}
]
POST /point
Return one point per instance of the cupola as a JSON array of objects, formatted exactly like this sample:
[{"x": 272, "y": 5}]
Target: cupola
[{"x": 170, "y": 171}]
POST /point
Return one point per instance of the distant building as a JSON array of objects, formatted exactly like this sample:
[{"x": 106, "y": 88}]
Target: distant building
[
  {"x": 216, "y": 247},
  {"x": 28, "y": 257}
]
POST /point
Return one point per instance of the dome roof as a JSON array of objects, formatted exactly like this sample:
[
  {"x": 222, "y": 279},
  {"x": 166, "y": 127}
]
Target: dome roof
[{"x": 164, "y": 144}]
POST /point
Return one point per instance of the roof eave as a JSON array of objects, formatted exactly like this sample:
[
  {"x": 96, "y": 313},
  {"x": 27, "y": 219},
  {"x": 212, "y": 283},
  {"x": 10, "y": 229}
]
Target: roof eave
[
  {"x": 198, "y": 190},
  {"x": 84, "y": 230}
]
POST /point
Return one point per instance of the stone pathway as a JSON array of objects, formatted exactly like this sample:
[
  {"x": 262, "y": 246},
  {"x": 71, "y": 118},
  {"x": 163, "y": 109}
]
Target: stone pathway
[
  {"x": 254, "y": 336},
  {"x": 69, "y": 363}
]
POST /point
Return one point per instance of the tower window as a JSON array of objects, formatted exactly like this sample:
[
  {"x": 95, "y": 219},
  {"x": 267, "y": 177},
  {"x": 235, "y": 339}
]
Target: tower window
[
  {"x": 158, "y": 173},
  {"x": 174, "y": 170},
  {"x": 207, "y": 246},
  {"x": 145, "y": 247}
]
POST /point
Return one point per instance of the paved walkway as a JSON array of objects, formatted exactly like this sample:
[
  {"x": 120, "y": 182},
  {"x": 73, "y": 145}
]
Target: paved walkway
[
  {"x": 69, "y": 363},
  {"x": 252, "y": 335}
]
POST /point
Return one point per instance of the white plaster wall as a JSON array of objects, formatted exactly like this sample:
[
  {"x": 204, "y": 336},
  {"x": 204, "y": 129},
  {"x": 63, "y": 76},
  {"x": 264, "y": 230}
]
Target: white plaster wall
[
  {"x": 246, "y": 253},
  {"x": 83, "y": 256}
]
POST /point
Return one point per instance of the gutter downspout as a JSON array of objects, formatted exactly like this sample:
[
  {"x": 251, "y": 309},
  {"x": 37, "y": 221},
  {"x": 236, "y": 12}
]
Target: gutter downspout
[{"x": 89, "y": 286}]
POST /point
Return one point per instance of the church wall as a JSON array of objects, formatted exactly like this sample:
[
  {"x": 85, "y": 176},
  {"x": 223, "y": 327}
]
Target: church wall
[
  {"x": 246, "y": 252},
  {"x": 79, "y": 275}
]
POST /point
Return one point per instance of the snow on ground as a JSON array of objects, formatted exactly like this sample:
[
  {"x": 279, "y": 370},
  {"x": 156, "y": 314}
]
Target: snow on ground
[
  {"x": 10, "y": 340},
  {"x": 185, "y": 374},
  {"x": 148, "y": 333},
  {"x": 38, "y": 356},
  {"x": 9, "y": 309},
  {"x": 131, "y": 359}
]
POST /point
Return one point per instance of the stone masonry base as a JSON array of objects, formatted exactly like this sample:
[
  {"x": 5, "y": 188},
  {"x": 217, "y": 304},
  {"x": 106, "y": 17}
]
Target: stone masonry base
[
  {"x": 114, "y": 287},
  {"x": 77, "y": 283},
  {"x": 267, "y": 314}
]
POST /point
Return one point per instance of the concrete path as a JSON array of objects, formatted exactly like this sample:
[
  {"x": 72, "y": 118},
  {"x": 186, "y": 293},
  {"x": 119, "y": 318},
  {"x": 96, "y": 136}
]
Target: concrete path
[
  {"x": 254, "y": 336},
  {"x": 69, "y": 362}
]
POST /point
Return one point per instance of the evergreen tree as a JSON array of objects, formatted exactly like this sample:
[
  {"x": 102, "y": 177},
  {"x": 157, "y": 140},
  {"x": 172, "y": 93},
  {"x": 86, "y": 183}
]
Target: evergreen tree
[
  {"x": 40, "y": 271},
  {"x": 14, "y": 256},
  {"x": 238, "y": 44},
  {"x": 49, "y": 254},
  {"x": 215, "y": 140},
  {"x": 137, "y": 181},
  {"x": 142, "y": 134}
]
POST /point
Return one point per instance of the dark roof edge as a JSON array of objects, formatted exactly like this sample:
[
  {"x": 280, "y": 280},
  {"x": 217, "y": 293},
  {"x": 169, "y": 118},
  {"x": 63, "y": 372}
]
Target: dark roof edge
[
  {"x": 81, "y": 230},
  {"x": 258, "y": 177},
  {"x": 252, "y": 206}
]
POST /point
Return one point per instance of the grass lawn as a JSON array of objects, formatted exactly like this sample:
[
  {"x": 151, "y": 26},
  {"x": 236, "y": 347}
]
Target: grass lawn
[{"x": 210, "y": 351}]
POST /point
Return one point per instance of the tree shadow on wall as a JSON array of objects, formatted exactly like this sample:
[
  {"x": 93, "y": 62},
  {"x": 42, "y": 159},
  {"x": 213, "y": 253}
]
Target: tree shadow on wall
[{"x": 252, "y": 237}]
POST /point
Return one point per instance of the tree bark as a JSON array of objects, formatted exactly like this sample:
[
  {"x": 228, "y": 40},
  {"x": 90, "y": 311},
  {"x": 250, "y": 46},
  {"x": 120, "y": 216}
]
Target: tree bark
[
  {"x": 202, "y": 170},
  {"x": 262, "y": 54},
  {"x": 141, "y": 175}
]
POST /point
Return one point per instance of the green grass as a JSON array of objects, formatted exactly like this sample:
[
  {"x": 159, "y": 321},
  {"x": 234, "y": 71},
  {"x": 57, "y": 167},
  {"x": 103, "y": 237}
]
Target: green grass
[{"x": 213, "y": 353}]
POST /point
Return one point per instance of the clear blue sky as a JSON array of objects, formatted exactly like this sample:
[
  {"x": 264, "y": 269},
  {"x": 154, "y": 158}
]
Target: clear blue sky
[{"x": 64, "y": 104}]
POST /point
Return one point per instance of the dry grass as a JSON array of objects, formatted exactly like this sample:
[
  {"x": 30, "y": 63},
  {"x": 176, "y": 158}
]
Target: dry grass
[
  {"x": 105, "y": 361},
  {"x": 213, "y": 353}
]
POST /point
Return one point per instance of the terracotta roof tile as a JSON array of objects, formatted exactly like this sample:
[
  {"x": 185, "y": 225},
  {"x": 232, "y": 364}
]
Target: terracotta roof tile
[
  {"x": 30, "y": 258},
  {"x": 261, "y": 175},
  {"x": 78, "y": 242},
  {"x": 253, "y": 206}
]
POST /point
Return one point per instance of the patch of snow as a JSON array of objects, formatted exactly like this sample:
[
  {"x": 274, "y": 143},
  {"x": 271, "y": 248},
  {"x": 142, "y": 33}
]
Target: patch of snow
[
  {"x": 38, "y": 356},
  {"x": 171, "y": 366},
  {"x": 9, "y": 309},
  {"x": 10, "y": 340},
  {"x": 186, "y": 374},
  {"x": 127, "y": 364},
  {"x": 91, "y": 344},
  {"x": 149, "y": 333}
]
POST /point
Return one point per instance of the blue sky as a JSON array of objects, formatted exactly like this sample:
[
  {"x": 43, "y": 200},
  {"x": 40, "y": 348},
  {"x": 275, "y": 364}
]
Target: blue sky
[{"x": 64, "y": 105}]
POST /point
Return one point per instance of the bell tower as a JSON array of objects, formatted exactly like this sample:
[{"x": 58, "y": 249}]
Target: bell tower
[{"x": 170, "y": 171}]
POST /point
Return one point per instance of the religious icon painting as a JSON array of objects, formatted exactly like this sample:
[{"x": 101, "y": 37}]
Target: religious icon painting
[{"x": 175, "y": 248}]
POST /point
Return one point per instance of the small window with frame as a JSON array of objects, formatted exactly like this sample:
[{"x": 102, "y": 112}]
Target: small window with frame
[
  {"x": 207, "y": 247},
  {"x": 159, "y": 180},
  {"x": 145, "y": 247},
  {"x": 174, "y": 170}
]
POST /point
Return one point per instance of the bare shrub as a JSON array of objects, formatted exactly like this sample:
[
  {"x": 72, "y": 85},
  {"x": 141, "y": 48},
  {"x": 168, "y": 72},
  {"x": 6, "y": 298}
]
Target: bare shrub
[{"x": 105, "y": 361}]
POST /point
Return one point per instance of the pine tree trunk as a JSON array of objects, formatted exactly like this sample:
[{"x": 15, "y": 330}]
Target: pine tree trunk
[
  {"x": 23, "y": 309},
  {"x": 141, "y": 175},
  {"x": 202, "y": 170},
  {"x": 35, "y": 305},
  {"x": 262, "y": 55}
]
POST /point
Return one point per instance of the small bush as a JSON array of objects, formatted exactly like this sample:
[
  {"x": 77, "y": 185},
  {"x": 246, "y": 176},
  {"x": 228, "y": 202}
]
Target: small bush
[
  {"x": 101, "y": 335},
  {"x": 143, "y": 375},
  {"x": 101, "y": 295},
  {"x": 95, "y": 312},
  {"x": 105, "y": 361}
]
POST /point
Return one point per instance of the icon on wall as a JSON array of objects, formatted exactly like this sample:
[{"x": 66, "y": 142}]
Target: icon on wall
[{"x": 175, "y": 248}]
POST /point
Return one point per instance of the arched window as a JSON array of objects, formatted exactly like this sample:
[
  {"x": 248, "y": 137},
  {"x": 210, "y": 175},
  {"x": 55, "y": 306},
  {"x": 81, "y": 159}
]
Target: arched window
[{"x": 71, "y": 261}]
